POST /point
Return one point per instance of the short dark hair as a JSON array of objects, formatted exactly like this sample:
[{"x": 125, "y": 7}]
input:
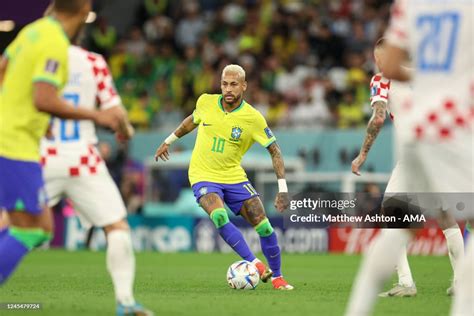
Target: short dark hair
[
  {"x": 69, "y": 6},
  {"x": 380, "y": 42}
]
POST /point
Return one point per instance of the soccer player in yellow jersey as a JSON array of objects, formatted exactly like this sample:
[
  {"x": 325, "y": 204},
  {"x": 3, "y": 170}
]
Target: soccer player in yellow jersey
[
  {"x": 228, "y": 126},
  {"x": 32, "y": 71}
]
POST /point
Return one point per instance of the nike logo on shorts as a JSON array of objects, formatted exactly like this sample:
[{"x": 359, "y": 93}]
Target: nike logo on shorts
[{"x": 204, "y": 124}]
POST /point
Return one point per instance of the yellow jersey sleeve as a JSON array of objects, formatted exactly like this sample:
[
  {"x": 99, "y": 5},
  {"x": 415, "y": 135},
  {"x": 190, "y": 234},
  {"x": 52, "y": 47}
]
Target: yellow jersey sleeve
[
  {"x": 10, "y": 48},
  {"x": 51, "y": 66},
  {"x": 197, "y": 113},
  {"x": 261, "y": 132}
]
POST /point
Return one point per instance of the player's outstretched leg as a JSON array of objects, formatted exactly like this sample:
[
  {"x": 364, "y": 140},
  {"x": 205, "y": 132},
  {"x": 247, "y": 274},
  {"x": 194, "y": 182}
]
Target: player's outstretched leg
[
  {"x": 406, "y": 286},
  {"x": 121, "y": 266},
  {"x": 253, "y": 212},
  {"x": 463, "y": 299},
  {"x": 30, "y": 221},
  {"x": 214, "y": 206},
  {"x": 12, "y": 250},
  {"x": 376, "y": 267},
  {"x": 26, "y": 232},
  {"x": 231, "y": 234},
  {"x": 454, "y": 242}
]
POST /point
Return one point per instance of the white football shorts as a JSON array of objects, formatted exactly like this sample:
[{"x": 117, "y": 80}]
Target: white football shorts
[{"x": 90, "y": 187}]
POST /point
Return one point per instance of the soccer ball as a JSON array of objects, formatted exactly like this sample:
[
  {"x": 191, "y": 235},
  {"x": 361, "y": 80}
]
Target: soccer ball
[{"x": 243, "y": 275}]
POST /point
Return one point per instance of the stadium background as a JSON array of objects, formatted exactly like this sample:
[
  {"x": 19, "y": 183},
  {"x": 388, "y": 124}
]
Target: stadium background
[{"x": 308, "y": 65}]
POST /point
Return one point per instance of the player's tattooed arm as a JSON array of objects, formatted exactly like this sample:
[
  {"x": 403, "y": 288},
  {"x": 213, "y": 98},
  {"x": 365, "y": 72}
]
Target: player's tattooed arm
[
  {"x": 186, "y": 126},
  {"x": 373, "y": 128},
  {"x": 282, "y": 200},
  {"x": 277, "y": 160}
]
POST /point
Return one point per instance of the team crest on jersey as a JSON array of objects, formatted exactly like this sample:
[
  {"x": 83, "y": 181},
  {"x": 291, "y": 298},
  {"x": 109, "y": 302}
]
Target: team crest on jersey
[
  {"x": 374, "y": 91},
  {"x": 203, "y": 190},
  {"x": 236, "y": 133},
  {"x": 268, "y": 132}
]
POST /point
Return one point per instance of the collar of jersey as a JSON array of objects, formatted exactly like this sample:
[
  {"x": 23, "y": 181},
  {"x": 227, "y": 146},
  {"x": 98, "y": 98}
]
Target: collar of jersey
[
  {"x": 234, "y": 110},
  {"x": 53, "y": 20}
]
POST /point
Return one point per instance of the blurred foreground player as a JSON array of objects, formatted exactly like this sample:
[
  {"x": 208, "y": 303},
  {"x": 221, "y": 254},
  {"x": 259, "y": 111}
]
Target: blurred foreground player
[
  {"x": 386, "y": 96},
  {"x": 73, "y": 168},
  {"x": 228, "y": 127},
  {"x": 32, "y": 71},
  {"x": 435, "y": 134}
]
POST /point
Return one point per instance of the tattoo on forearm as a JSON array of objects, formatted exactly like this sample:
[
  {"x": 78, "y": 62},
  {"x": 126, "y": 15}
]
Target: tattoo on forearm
[
  {"x": 181, "y": 130},
  {"x": 277, "y": 160},
  {"x": 374, "y": 126},
  {"x": 186, "y": 126}
]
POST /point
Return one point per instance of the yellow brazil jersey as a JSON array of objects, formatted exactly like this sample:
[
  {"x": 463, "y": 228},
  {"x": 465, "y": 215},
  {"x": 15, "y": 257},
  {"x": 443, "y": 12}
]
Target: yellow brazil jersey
[
  {"x": 223, "y": 139},
  {"x": 38, "y": 53}
]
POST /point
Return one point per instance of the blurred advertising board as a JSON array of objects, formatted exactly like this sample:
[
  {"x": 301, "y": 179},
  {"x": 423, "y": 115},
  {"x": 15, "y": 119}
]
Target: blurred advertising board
[{"x": 179, "y": 233}]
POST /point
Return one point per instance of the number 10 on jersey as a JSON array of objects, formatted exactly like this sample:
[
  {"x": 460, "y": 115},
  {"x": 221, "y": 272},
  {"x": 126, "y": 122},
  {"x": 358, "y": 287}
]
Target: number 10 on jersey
[{"x": 218, "y": 145}]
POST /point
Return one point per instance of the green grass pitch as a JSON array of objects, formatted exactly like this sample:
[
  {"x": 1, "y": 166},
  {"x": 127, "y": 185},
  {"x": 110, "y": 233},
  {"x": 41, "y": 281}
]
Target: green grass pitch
[{"x": 76, "y": 283}]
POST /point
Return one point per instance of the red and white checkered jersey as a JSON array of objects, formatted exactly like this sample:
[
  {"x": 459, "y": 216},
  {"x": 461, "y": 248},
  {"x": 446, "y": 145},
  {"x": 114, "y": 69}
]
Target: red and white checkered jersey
[
  {"x": 379, "y": 89},
  {"x": 72, "y": 152},
  {"x": 90, "y": 86},
  {"x": 438, "y": 35},
  {"x": 394, "y": 94}
]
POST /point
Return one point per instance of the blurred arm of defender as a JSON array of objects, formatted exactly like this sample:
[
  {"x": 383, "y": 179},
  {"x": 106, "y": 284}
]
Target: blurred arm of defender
[
  {"x": 373, "y": 128},
  {"x": 186, "y": 126},
  {"x": 46, "y": 99},
  {"x": 282, "y": 199},
  {"x": 125, "y": 130},
  {"x": 109, "y": 99}
]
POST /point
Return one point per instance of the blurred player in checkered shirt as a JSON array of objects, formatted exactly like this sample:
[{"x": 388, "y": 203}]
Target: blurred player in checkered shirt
[
  {"x": 387, "y": 96},
  {"x": 73, "y": 168},
  {"x": 435, "y": 133}
]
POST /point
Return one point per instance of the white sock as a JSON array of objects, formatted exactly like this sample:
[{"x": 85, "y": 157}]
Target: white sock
[
  {"x": 455, "y": 245},
  {"x": 121, "y": 264},
  {"x": 463, "y": 304},
  {"x": 403, "y": 269},
  {"x": 377, "y": 266}
]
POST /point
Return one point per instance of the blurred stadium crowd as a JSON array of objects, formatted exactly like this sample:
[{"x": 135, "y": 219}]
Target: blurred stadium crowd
[{"x": 308, "y": 63}]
